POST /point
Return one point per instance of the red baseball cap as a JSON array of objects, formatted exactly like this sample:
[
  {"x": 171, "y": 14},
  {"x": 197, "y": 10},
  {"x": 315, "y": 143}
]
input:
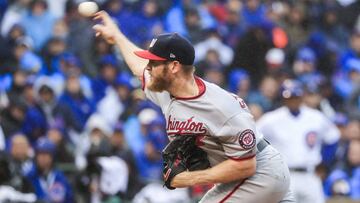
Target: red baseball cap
[{"x": 169, "y": 47}]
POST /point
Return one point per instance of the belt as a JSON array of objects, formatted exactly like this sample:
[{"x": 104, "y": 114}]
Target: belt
[
  {"x": 262, "y": 144},
  {"x": 299, "y": 169}
]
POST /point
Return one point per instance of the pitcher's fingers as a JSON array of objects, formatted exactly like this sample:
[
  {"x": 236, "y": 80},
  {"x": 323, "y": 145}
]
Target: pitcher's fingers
[
  {"x": 102, "y": 15},
  {"x": 99, "y": 15},
  {"x": 98, "y": 28},
  {"x": 106, "y": 18}
]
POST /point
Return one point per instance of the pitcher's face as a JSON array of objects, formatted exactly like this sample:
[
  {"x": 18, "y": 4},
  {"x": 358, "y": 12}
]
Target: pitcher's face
[{"x": 160, "y": 78}]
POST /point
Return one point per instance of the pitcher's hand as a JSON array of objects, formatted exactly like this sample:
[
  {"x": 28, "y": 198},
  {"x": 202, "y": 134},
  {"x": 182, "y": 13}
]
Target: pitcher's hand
[{"x": 107, "y": 28}]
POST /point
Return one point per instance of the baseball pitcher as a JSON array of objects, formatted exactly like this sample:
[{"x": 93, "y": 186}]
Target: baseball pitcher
[{"x": 213, "y": 135}]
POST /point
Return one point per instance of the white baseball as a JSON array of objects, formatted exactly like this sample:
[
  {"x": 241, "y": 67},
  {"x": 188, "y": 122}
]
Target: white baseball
[{"x": 88, "y": 8}]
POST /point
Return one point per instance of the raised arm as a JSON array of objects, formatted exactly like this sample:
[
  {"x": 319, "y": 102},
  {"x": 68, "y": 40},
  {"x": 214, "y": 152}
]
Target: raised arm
[{"x": 112, "y": 34}]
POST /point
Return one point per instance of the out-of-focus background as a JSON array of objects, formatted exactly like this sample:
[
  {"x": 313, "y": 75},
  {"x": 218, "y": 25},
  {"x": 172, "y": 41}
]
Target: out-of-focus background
[{"x": 70, "y": 108}]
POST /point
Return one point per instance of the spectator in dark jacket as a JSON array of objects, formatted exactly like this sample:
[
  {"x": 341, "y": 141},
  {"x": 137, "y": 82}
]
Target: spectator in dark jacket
[
  {"x": 13, "y": 117},
  {"x": 250, "y": 54},
  {"x": 8, "y": 193},
  {"x": 20, "y": 162}
]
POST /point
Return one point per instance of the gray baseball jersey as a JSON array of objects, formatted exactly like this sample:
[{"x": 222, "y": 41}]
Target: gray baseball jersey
[{"x": 223, "y": 124}]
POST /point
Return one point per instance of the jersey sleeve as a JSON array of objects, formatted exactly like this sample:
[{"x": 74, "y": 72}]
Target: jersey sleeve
[
  {"x": 238, "y": 137},
  {"x": 161, "y": 99},
  {"x": 330, "y": 133}
]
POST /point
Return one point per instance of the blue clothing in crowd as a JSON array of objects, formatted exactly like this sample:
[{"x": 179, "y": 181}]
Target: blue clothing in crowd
[
  {"x": 355, "y": 184},
  {"x": 81, "y": 106},
  {"x": 255, "y": 17},
  {"x": 35, "y": 124},
  {"x": 140, "y": 35},
  {"x": 52, "y": 188},
  {"x": 39, "y": 28},
  {"x": 341, "y": 176},
  {"x": 98, "y": 86},
  {"x": 174, "y": 20}
]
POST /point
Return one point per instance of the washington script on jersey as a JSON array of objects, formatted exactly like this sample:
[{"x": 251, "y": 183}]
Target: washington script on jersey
[{"x": 188, "y": 126}]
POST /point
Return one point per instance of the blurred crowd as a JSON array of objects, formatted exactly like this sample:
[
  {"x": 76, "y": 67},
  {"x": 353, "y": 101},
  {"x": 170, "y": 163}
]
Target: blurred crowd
[{"x": 75, "y": 125}]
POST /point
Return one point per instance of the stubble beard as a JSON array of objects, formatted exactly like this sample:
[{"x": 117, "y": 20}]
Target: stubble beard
[{"x": 160, "y": 83}]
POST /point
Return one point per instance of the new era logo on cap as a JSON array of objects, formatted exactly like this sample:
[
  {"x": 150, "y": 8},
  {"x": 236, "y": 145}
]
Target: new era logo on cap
[{"x": 169, "y": 47}]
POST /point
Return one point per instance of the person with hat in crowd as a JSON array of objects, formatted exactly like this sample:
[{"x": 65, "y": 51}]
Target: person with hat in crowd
[
  {"x": 299, "y": 132},
  {"x": 50, "y": 184},
  {"x": 47, "y": 111},
  {"x": 305, "y": 63},
  {"x": 352, "y": 51},
  {"x": 74, "y": 99},
  {"x": 108, "y": 67},
  {"x": 239, "y": 158},
  {"x": 346, "y": 84},
  {"x": 52, "y": 53},
  {"x": 316, "y": 94},
  {"x": 70, "y": 64}
]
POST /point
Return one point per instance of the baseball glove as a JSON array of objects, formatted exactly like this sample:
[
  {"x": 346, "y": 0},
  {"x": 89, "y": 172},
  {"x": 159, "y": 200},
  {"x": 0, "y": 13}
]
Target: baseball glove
[{"x": 180, "y": 155}]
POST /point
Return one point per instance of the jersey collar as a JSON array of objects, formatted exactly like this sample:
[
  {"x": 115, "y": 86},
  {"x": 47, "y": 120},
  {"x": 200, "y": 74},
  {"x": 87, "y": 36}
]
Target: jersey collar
[{"x": 202, "y": 88}]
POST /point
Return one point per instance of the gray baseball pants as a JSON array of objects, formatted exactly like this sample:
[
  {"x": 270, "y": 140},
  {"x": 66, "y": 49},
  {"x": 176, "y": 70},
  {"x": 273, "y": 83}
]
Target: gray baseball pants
[{"x": 270, "y": 184}]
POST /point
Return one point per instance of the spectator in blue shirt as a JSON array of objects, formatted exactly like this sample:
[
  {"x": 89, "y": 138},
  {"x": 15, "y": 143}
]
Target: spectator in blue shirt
[
  {"x": 254, "y": 13},
  {"x": 38, "y": 23},
  {"x": 150, "y": 22},
  {"x": 74, "y": 99},
  {"x": 122, "y": 15},
  {"x": 108, "y": 69},
  {"x": 346, "y": 181},
  {"x": 345, "y": 84},
  {"x": 47, "y": 111},
  {"x": 50, "y": 184}
]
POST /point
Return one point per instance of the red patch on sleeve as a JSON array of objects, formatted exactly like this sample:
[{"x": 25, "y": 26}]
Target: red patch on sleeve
[{"x": 247, "y": 139}]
